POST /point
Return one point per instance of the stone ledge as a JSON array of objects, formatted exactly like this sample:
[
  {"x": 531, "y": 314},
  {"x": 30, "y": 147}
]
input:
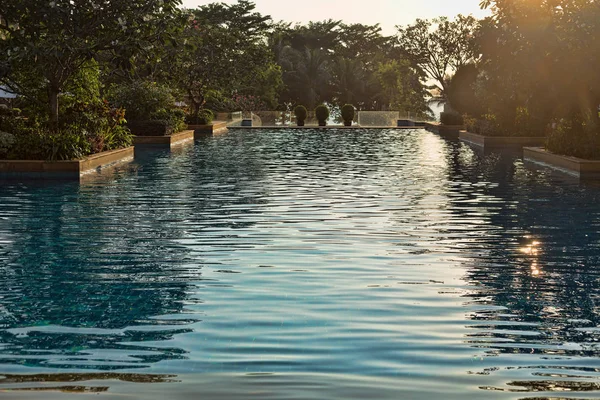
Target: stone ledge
[
  {"x": 583, "y": 169},
  {"x": 175, "y": 139},
  {"x": 216, "y": 128},
  {"x": 73, "y": 169},
  {"x": 500, "y": 141}
]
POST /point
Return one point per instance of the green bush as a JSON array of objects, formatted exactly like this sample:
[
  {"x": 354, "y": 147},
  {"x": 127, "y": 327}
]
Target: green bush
[
  {"x": 142, "y": 99},
  {"x": 322, "y": 114},
  {"x": 348, "y": 113},
  {"x": 173, "y": 118},
  {"x": 204, "y": 117},
  {"x": 575, "y": 136},
  {"x": 301, "y": 113},
  {"x": 85, "y": 128},
  {"x": 451, "y": 118}
]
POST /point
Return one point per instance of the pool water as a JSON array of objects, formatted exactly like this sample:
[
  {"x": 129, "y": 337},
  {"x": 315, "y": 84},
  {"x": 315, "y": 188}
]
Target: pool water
[{"x": 300, "y": 265}]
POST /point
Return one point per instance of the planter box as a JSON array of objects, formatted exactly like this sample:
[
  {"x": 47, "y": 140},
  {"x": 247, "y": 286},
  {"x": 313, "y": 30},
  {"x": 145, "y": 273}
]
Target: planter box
[
  {"x": 216, "y": 128},
  {"x": 175, "y": 139},
  {"x": 500, "y": 141},
  {"x": 583, "y": 169},
  {"x": 446, "y": 131},
  {"x": 74, "y": 169}
]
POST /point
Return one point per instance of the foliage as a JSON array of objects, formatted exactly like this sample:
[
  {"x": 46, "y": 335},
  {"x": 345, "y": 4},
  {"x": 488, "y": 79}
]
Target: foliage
[
  {"x": 451, "y": 118},
  {"x": 301, "y": 113},
  {"x": 461, "y": 93},
  {"x": 204, "y": 117},
  {"x": 248, "y": 103},
  {"x": 336, "y": 63},
  {"x": 142, "y": 99},
  {"x": 322, "y": 113},
  {"x": 146, "y": 101},
  {"x": 45, "y": 43},
  {"x": 575, "y": 136},
  {"x": 518, "y": 124},
  {"x": 225, "y": 51},
  {"x": 174, "y": 119},
  {"x": 440, "y": 46},
  {"x": 348, "y": 113},
  {"x": 402, "y": 87},
  {"x": 87, "y": 123},
  {"x": 7, "y": 140},
  {"x": 543, "y": 55}
]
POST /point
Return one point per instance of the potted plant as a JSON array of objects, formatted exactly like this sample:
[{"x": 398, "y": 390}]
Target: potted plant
[
  {"x": 301, "y": 113},
  {"x": 322, "y": 114},
  {"x": 348, "y": 114}
]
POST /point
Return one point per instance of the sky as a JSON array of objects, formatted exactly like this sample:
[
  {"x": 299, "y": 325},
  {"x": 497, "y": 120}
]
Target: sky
[{"x": 388, "y": 13}]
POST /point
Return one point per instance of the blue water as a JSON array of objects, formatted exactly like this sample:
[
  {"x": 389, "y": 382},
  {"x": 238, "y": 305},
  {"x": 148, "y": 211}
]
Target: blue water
[{"x": 302, "y": 265}]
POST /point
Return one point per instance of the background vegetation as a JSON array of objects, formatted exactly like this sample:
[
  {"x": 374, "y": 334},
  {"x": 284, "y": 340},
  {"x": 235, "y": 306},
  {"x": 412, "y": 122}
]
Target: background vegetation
[{"x": 529, "y": 69}]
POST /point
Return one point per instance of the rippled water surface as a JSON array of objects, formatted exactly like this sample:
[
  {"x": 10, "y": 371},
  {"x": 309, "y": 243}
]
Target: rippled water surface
[{"x": 299, "y": 265}]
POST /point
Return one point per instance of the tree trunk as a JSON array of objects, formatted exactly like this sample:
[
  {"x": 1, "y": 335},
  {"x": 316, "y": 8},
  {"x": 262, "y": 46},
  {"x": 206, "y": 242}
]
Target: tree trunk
[{"x": 53, "y": 103}]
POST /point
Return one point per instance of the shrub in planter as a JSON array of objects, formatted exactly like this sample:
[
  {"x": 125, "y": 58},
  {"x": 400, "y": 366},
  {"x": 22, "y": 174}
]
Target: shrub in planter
[
  {"x": 348, "y": 114},
  {"x": 322, "y": 114},
  {"x": 204, "y": 117},
  {"x": 149, "y": 108},
  {"x": 301, "y": 114},
  {"x": 575, "y": 136},
  {"x": 451, "y": 118}
]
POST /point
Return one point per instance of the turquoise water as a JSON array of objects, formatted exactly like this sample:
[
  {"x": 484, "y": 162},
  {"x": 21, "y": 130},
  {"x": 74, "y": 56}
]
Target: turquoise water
[{"x": 302, "y": 265}]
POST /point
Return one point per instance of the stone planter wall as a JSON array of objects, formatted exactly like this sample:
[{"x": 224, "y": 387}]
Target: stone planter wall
[
  {"x": 75, "y": 169},
  {"x": 583, "y": 169},
  {"x": 175, "y": 139},
  {"x": 216, "y": 128},
  {"x": 500, "y": 141}
]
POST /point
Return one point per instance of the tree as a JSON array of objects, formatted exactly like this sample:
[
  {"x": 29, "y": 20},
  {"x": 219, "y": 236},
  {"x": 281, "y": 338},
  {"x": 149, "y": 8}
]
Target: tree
[
  {"x": 225, "y": 51},
  {"x": 440, "y": 46},
  {"x": 543, "y": 55},
  {"x": 402, "y": 86},
  {"x": 48, "y": 42}
]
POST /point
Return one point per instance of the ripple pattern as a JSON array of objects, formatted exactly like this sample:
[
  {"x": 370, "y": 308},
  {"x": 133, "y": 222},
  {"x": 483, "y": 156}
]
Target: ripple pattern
[{"x": 305, "y": 263}]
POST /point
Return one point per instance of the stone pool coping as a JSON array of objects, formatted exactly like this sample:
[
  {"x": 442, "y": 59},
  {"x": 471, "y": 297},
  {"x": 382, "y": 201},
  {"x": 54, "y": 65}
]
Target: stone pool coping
[
  {"x": 500, "y": 141},
  {"x": 216, "y": 128},
  {"x": 579, "y": 167},
  {"x": 175, "y": 139},
  {"x": 70, "y": 169},
  {"x": 446, "y": 131}
]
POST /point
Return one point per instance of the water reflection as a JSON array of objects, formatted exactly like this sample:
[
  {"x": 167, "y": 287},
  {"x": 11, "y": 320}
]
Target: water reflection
[
  {"x": 304, "y": 258},
  {"x": 534, "y": 277}
]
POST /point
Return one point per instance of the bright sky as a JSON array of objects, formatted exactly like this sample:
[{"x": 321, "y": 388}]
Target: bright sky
[{"x": 388, "y": 13}]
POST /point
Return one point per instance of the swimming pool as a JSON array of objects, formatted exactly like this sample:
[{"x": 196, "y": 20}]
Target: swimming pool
[{"x": 303, "y": 264}]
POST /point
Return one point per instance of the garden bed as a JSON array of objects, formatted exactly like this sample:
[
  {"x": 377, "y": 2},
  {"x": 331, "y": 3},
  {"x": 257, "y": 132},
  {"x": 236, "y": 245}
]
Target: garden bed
[
  {"x": 73, "y": 169},
  {"x": 175, "y": 139},
  {"x": 583, "y": 169},
  {"x": 446, "y": 131},
  {"x": 216, "y": 128},
  {"x": 500, "y": 141}
]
